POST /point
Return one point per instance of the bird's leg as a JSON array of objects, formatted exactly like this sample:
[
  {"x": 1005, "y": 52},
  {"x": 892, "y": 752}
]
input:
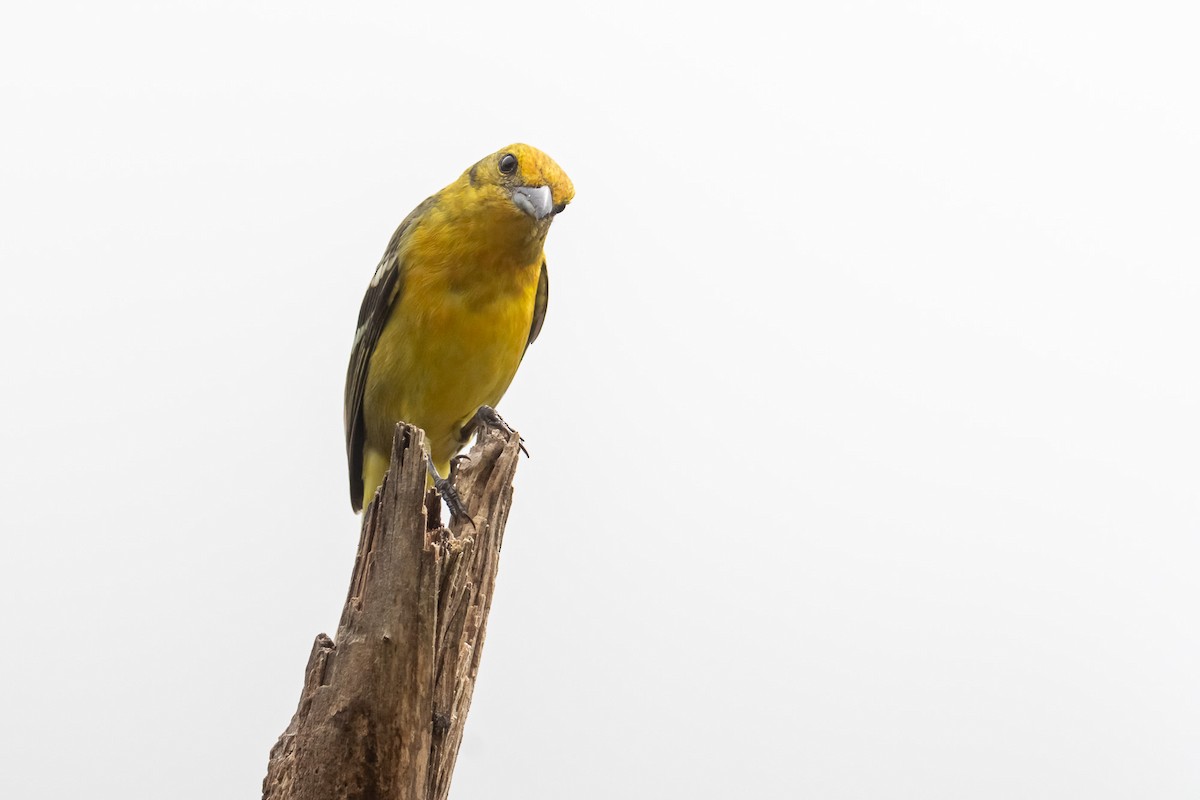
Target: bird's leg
[
  {"x": 485, "y": 418},
  {"x": 445, "y": 488}
]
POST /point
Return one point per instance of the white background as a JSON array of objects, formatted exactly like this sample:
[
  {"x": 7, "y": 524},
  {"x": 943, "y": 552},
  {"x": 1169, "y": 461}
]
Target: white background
[{"x": 865, "y": 421}]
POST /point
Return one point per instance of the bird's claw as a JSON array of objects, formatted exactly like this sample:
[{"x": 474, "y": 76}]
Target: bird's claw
[
  {"x": 454, "y": 464},
  {"x": 445, "y": 488},
  {"x": 458, "y": 512},
  {"x": 488, "y": 418}
]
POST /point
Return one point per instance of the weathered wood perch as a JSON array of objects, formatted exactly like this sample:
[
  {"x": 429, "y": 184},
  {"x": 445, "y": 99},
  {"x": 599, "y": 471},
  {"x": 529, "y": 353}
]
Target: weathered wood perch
[{"x": 382, "y": 710}]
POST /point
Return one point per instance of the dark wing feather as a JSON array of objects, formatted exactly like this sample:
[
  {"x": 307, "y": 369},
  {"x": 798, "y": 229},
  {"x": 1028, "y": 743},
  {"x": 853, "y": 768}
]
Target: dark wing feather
[
  {"x": 539, "y": 305},
  {"x": 377, "y": 306}
]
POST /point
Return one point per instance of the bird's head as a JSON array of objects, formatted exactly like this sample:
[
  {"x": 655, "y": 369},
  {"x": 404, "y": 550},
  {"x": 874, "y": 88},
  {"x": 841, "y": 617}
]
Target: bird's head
[{"x": 522, "y": 182}]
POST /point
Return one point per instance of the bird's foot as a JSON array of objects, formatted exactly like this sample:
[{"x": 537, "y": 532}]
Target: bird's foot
[
  {"x": 445, "y": 488},
  {"x": 486, "y": 418}
]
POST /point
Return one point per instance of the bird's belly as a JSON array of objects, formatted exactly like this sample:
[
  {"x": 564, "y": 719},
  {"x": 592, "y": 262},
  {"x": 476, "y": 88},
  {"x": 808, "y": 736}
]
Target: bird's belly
[{"x": 438, "y": 359}]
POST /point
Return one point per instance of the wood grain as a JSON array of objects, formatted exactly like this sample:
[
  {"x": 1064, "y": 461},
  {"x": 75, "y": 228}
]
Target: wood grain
[{"x": 382, "y": 709}]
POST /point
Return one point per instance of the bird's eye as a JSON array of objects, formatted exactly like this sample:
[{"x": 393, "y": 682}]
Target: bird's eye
[{"x": 508, "y": 164}]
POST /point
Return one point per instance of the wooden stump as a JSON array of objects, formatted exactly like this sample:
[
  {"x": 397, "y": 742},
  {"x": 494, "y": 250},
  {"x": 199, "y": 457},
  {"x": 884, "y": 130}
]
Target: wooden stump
[{"x": 382, "y": 709}]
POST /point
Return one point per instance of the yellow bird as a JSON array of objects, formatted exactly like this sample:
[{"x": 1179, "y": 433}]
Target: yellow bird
[{"x": 459, "y": 295}]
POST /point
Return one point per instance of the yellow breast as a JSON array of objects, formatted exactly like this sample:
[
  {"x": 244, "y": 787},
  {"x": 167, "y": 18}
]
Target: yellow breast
[{"x": 455, "y": 337}]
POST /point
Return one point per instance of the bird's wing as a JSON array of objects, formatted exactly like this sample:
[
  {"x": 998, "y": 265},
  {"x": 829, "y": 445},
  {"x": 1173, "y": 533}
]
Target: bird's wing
[
  {"x": 377, "y": 306},
  {"x": 541, "y": 300}
]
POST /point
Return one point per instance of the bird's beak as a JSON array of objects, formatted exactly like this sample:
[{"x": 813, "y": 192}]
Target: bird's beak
[{"x": 537, "y": 202}]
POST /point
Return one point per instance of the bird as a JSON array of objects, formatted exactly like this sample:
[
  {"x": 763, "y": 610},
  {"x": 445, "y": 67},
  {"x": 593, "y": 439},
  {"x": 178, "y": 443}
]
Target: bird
[{"x": 459, "y": 295}]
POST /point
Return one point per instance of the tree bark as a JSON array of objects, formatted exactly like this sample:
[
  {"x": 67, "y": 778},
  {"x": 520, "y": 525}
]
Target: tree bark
[{"x": 382, "y": 710}]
